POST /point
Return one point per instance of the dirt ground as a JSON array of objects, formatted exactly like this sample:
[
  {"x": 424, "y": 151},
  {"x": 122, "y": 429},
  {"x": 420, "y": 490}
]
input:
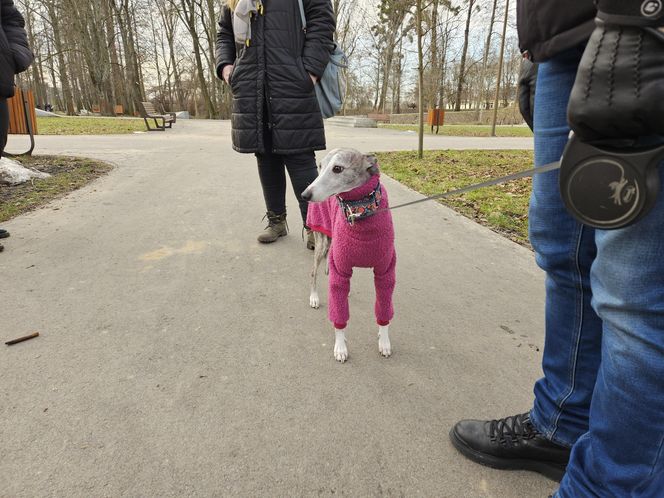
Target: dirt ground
[{"x": 67, "y": 174}]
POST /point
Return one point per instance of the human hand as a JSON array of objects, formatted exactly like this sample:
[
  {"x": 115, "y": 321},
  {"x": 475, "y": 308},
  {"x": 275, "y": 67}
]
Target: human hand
[
  {"x": 226, "y": 73},
  {"x": 620, "y": 81}
]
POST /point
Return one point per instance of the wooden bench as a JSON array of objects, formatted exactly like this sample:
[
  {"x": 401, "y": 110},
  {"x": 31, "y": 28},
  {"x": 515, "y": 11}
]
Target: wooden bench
[
  {"x": 381, "y": 118},
  {"x": 161, "y": 120}
]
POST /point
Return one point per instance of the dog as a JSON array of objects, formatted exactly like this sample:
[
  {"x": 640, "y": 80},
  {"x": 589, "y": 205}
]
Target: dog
[{"x": 353, "y": 228}]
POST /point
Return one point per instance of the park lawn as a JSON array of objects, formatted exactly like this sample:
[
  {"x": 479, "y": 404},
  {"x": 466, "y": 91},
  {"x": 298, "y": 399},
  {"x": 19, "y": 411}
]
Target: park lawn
[
  {"x": 503, "y": 208},
  {"x": 67, "y": 174},
  {"x": 466, "y": 130},
  {"x": 88, "y": 126}
]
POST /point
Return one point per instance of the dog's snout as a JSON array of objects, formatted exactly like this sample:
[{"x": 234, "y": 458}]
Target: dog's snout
[{"x": 306, "y": 195}]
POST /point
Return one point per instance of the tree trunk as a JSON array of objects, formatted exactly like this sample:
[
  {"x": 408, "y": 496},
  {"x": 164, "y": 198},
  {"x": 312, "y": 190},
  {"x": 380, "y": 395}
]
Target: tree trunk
[
  {"x": 211, "y": 36},
  {"x": 68, "y": 100},
  {"x": 420, "y": 74},
  {"x": 443, "y": 64},
  {"x": 115, "y": 69},
  {"x": 37, "y": 81},
  {"x": 88, "y": 22},
  {"x": 485, "y": 60},
  {"x": 433, "y": 75},
  {"x": 500, "y": 69},
  {"x": 464, "y": 53},
  {"x": 188, "y": 15}
]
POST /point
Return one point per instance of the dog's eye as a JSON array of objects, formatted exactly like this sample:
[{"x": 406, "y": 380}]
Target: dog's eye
[{"x": 337, "y": 169}]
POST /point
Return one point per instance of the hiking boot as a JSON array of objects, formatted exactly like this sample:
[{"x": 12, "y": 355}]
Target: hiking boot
[
  {"x": 276, "y": 227},
  {"x": 3, "y": 234},
  {"x": 511, "y": 443},
  {"x": 311, "y": 242}
]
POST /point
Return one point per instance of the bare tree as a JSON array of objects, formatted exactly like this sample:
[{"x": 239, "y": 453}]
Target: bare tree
[
  {"x": 485, "y": 58},
  {"x": 420, "y": 78},
  {"x": 190, "y": 12},
  {"x": 462, "y": 67},
  {"x": 500, "y": 69}
]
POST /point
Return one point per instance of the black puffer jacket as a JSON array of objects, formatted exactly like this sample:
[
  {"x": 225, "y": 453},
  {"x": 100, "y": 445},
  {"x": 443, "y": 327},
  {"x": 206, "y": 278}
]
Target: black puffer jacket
[
  {"x": 15, "y": 54},
  {"x": 271, "y": 75},
  {"x": 548, "y": 27}
]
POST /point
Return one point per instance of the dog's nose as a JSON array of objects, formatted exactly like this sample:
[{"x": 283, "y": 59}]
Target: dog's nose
[{"x": 306, "y": 195}]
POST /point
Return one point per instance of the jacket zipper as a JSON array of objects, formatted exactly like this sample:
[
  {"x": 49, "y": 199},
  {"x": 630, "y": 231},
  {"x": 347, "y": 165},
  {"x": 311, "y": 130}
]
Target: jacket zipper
[{"x": 268, "y": 104}]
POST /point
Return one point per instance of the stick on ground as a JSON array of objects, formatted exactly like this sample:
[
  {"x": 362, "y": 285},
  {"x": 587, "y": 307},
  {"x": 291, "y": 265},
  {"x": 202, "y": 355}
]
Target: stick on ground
[{"x": 21, "y": 339}]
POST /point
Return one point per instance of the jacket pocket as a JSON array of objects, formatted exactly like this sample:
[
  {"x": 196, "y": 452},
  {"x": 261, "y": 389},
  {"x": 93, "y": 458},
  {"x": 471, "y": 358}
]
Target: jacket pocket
[
  {"x": 230, "y": 77},
  {"x": 236, "y": 65},
  {"x": 309, "y": 84}
]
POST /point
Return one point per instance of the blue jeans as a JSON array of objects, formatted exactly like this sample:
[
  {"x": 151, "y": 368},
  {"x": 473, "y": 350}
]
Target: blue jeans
[{"x": 603, "y": 387}]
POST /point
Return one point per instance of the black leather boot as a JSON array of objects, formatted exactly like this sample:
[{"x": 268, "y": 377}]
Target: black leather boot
[{"x": 511, "y": 443}]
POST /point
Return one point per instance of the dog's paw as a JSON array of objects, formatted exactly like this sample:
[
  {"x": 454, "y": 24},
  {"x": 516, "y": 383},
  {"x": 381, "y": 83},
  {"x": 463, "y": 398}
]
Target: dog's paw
[
  {"x": 384, "y": 345},
  {"x": 314, "y": 300},
  {"x": 340, "y": 347},
  {"x": 385, "y": 348},
  {"x": 341, "y": 353}
]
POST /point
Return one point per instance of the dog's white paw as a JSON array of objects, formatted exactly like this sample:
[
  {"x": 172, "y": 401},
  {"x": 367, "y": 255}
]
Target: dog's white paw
[
  {"x": 314, "y": 300},
  {"x": 340, "y": 346},
  {"x": 384, "y": 345}
]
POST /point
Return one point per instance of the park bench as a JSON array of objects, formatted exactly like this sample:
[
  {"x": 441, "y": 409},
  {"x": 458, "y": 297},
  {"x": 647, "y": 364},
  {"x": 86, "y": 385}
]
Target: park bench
[
  {"x": 149, "y": 112},
  {"x": 119, "y": 109},
  {"x": 381, "y": 118}
]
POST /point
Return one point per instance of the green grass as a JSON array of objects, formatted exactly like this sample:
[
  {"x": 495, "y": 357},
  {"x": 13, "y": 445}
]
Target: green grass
[
  {"x": 68, "y": 174},
  {"x": 503, "y": 208},
  {"x": 466, "y": 130},
  {"x": 88, "y": 126}
]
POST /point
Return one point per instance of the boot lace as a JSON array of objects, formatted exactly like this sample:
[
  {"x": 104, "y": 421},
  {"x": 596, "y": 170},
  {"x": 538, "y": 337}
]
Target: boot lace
[{"x": 511, "y": 430}]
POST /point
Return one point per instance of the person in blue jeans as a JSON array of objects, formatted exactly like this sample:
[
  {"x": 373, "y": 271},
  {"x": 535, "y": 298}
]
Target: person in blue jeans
[{"x": 597, "y": 422}]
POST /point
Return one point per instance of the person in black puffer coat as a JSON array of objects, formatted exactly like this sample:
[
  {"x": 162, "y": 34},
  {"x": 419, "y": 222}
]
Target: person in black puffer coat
[
  {"x": 275, "y": 112},
  {"x": 15, "y": 57}
]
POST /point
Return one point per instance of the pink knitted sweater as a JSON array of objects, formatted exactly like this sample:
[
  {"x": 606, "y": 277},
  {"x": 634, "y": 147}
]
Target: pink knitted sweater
[{"x": 368, "y": 243}]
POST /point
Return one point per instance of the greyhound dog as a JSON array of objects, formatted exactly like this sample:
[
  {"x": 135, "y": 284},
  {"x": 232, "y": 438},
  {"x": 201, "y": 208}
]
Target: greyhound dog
[{"x": 349, "y": 217}]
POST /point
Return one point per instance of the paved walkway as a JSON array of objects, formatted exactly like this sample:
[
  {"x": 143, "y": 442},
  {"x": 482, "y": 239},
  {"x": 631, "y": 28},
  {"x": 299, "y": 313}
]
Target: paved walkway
[{"x": 179, "y": 358}]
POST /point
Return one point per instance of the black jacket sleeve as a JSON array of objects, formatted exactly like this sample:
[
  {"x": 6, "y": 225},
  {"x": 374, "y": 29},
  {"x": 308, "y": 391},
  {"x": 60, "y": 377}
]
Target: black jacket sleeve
[
  {"x": 13, "y": 26},
  {"x": 549, "y": 27},
  {"x": 225, "y": 52},
  {"x": 319, "y": 41},
  {"x": 527, "y": 84}
]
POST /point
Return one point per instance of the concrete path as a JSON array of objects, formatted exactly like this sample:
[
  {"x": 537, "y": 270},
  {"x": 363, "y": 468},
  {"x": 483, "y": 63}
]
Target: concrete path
[{"x": 178, "y": 357}]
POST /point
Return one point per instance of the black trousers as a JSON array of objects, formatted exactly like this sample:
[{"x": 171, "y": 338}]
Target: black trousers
[
  {"x": 271, "y": 170},
  {"x": 4, "y": 124}
]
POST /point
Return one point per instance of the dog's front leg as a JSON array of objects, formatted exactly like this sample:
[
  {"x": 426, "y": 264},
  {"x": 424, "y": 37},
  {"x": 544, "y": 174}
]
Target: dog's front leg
[
  {"x": 340, "y": 347},
  {"x": 320, "y": 251},
  {"x": 314, "y": 300},
  {"x": 384, "y": 345}
]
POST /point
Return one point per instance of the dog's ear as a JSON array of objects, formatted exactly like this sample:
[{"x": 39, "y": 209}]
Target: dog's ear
[{"x": 372, "y": 164}]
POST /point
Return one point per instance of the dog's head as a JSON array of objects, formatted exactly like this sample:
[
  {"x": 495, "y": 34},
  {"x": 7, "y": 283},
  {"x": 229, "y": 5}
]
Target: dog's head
[{"x": 340, "y": 171}]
